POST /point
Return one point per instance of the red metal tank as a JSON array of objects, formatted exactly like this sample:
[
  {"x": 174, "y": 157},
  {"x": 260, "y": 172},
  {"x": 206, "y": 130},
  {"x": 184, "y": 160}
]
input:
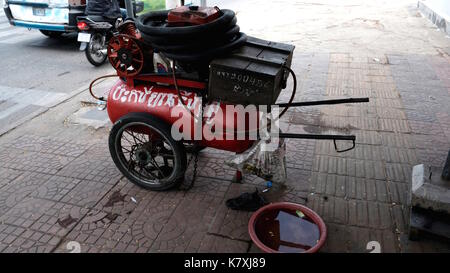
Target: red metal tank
[
  {"x": 219, "y": 124},
  {"x": 192, "y": 15}
]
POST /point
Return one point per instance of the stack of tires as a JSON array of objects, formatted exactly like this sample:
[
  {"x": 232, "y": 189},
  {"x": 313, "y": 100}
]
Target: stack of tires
[{"x": 191, "y": 44}]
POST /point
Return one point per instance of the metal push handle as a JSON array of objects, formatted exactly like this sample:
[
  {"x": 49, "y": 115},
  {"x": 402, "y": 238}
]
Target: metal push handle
[
  {"x": 331, "y": 137},
  {"x": 323, "y": 102},
  {"x": 314, "y": 136},
  {"x": 345, "y": 150}
]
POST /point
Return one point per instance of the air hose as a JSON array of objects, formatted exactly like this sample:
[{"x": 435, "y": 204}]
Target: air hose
[
  {"x": 193, "y": 44},
  {"x": 94, "y": 81}
]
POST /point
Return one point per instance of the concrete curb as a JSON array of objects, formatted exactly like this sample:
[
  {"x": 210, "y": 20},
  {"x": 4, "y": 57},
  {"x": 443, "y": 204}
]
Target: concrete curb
[
  {"x": 440, "y": 20},
  {"x": 31, "y": 116}
]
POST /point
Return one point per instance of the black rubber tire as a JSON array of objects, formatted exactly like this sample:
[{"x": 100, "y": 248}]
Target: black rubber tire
[
  {"x": 209, "y": 54},
  {"x": 51, "y": 34},
  {"x": 196, "y": 44},
  {"x": 177, "y": 39},
  {"x": 218, "y": 25},
  {"x": 88, "y": 54},
  {"x": 180, "y": 162}
]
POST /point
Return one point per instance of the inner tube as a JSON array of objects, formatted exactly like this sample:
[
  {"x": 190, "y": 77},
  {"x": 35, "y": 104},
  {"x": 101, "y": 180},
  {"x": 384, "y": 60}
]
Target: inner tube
[{"x": 199, "y": 43}]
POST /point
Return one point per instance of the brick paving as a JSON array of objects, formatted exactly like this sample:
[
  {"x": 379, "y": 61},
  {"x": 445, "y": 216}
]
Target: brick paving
[{"x": 55, "y": 191}]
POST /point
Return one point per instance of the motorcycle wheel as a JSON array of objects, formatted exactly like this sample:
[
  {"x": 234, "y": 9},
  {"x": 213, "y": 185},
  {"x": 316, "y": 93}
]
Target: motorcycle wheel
[
  {"x": 94, "y": 49},
  {"x": 143, "y": 149}
]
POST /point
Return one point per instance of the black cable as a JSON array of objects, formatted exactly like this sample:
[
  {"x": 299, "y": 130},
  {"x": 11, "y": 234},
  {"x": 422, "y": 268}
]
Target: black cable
[
  {"x": 180, "y": 98},
  {"x": 294, "y": 90}
]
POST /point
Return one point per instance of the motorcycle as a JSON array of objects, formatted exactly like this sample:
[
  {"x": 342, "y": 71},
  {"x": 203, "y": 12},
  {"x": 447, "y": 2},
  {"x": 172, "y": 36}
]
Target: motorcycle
[{"x": 95, "y": 32}]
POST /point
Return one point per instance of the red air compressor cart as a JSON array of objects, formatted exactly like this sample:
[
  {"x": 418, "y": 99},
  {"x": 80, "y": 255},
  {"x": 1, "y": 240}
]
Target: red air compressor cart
[{"x": 153, "y": 96}]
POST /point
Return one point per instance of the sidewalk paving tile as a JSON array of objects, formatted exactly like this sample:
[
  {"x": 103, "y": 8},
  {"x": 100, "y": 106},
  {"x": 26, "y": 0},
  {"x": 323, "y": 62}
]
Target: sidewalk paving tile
[
  {"x": 33, "y": 161},
  {"x": 7, "y": 176}
]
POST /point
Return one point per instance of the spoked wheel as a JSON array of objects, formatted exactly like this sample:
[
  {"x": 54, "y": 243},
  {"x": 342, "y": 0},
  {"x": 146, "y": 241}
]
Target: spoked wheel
[
  {"x": 144, "y": 151},
  {"x": 96, "y": 49}
]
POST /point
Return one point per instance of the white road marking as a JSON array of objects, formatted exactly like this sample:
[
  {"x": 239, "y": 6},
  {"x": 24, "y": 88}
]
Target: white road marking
[
  {"x": 10, "y": 110},
  {"x": 30, "y": 96},
  {"x": 21, "y": 38},
  {"x": 50, "y": 98}
]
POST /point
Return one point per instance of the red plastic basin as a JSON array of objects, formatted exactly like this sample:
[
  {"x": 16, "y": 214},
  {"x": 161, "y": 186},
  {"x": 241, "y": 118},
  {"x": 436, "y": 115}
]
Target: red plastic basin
[{"x": 313, "y": 217}]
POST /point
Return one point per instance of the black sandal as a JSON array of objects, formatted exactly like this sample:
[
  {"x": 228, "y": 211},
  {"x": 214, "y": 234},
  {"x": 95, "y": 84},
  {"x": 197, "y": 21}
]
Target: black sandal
[{"x": 247, "y": 201}]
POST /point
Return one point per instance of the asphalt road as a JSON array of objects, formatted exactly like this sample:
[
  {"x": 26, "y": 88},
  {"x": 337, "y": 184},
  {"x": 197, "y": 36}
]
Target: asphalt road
[{"x": 38, "y": 72}]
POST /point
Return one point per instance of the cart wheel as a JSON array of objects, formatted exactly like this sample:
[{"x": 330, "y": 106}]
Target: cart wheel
[{"x": 144, "y": 151}]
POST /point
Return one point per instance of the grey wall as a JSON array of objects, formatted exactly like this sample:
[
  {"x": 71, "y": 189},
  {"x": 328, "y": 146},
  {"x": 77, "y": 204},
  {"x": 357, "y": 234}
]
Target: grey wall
[{"x": 442, "y": 7}]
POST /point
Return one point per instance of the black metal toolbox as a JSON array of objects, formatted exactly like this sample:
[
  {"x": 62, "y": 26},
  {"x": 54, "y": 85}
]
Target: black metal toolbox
[{"x": 252, "y": 74}]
